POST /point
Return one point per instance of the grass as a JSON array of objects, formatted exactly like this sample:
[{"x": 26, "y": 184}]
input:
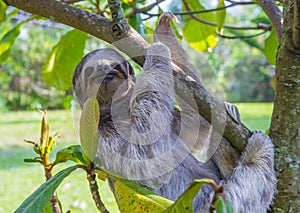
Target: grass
[
  {"x": 19, "y": 179},
  {"x": 256, "y": 116}
]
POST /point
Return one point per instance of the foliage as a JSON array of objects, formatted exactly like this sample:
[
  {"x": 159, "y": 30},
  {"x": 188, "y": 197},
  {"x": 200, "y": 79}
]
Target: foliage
[
  {"x": 57, "y": 73},
  {"x": 199, "y": 35},
  {"x": 256, "y": 83},
  {"x": 61, "y": 62},
  {"x": 39, "y": 199},
  {"x": 21, "y": 85},
  {"x": 185, "y": 202},
  {"x": 271, "y": 45},
  {"x": 20, "y": 77},
  {"x": 73, "y": 191},
  {"x": 245, "y": 76},
  {"x": 89, "y": 128},
  {"x": 130, "y": 197}
]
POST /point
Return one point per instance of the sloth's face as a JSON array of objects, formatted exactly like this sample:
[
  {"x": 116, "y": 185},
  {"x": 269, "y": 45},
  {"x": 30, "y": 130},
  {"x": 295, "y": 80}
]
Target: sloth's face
[
  {"x": 102, "y": 73},
  {"x": 109, "y": 76}
]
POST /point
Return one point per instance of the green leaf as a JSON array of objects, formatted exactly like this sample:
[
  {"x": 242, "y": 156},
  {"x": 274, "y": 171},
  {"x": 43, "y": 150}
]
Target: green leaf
[
  {"x": 271, "y": 46},
  {"x": 88, "y": 130},
  {"x": 52, "y": 142},
  {"x": 220, "y": 205},
  {"x": 229, "y": 207},
  {"x": 137, "y": 23},
  {"x": 3, "y": 8},
  {"x": 131, "y": 197},
  {"x": 185, "y": 202},
  {"x": 48, "y": 208},
  {"x": 13, "y": 13},
  {"x": 38, "y": 200},
  {"x": 200, "y": 36},
  {"x": 62, "y": 60},
  {"x": 223, "y": 206},
  {"x": 220, "y": 16},
  {"x": 71, "y": 153},
  {"x": 9, "y": 38}
]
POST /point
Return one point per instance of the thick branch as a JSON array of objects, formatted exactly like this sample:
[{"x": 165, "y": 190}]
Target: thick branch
[
  {"x": 274, "y": 14},
  {"x": 296, "y": 26},
  {"x": 135, "y": 46},
  {"x": 66, "y": 14},
  {"x": 91, "y": 23}
]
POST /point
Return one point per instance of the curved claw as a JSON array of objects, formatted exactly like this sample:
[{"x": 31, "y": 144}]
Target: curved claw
[
  {"x": 167, "y": 17},
  {"x": 233, "y": 112}
]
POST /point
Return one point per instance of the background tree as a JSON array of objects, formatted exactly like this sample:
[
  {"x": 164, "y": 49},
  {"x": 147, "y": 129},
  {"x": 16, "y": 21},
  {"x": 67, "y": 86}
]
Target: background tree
[{"x": 285, "y": 120}]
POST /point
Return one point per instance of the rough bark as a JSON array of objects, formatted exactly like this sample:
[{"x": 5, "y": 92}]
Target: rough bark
[
  {"x": 135, "y": 46},
  {"x": 296, "y": 29},
  {"x": 285, "y": 126}
]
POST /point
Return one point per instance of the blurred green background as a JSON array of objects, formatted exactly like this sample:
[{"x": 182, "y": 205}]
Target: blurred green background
[{"x": 235, "y": 70}]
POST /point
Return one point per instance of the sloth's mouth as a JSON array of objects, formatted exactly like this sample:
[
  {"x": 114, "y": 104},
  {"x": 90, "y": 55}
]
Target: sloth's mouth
[{"x": 115, "y": 73}]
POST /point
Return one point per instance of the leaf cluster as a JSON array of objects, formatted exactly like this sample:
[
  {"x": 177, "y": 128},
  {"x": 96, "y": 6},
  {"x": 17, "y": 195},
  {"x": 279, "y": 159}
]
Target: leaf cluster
[
  {"x": 203, "y": 36},
  {"x": 129, "y": 196}
]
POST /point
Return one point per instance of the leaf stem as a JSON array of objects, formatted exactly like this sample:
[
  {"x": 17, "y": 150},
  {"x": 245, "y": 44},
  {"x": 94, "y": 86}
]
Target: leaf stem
[
  {"x": 53, "y": 201},
  {"x": 91, "y": 176}
]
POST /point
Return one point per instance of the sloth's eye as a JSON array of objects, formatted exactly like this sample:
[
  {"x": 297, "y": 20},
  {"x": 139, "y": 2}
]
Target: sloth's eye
[{"x": 120, "y": 69}]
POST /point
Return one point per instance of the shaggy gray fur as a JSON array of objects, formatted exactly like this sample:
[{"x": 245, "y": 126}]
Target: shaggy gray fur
[{"x": 138, "y": 134}]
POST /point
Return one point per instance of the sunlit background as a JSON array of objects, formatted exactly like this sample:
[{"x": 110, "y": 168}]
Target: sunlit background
[{"x": 236, "y": 70}]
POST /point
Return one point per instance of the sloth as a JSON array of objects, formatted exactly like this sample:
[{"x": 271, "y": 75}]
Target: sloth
[{"x": 139, "y": 131}]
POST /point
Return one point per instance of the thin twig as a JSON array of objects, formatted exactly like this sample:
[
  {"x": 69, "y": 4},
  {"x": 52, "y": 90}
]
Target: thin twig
[
  {"x": 97, "y": 5},
  {"x": 203, "y": 11},
  {"x": 241, "y": 37},
  {"x": 71, "y": 1},
  {"x": 144, "y": 9},
  {"x": 258, "y": 27}
]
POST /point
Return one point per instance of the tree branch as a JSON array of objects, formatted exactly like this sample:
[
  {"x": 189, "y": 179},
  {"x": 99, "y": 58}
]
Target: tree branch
[
  {"x": 144, "y": 9},
  {"x": 241, "y": 37},
  {"x": 135, "y": 47},
  {"x": 201, "y": 11},
  {"x": 296, "y": 26},
  {"x": 274, "y": 14},
  {"x": 120, "y": 24},
  {"x": 71, "y": 1},
  {"x": 66, "y": 14}
]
